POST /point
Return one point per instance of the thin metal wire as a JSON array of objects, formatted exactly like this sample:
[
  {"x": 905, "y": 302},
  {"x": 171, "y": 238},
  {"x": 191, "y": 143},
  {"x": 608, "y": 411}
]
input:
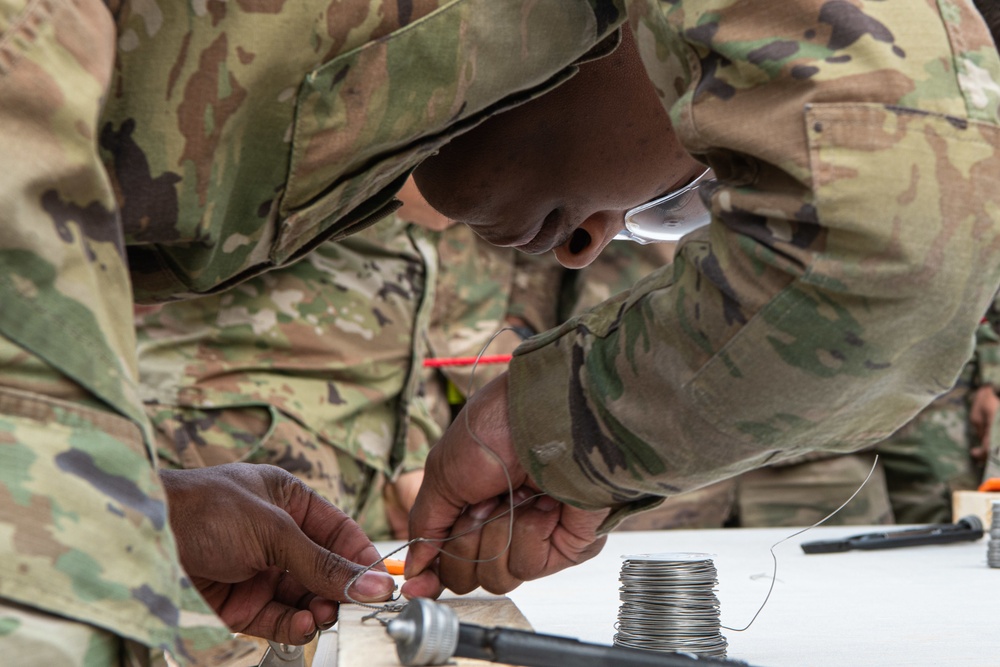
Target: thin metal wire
[
  {"x": 774, "y": 572},
  {"x": 389, "y": 606},
  {"x": 669, "y": 604},
  {"x": 393, "y": 606}
]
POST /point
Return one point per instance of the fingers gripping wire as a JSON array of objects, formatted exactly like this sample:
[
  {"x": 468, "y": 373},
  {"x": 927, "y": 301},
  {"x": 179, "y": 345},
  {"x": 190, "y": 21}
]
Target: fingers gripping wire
[{"x": 394, "y": 605}]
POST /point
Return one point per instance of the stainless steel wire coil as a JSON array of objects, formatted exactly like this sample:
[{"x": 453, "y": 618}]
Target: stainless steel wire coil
[{"x": 668, "y": 603}]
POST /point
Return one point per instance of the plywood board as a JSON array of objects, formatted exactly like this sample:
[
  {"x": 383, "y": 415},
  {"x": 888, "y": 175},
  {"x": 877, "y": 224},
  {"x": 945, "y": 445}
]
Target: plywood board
[{"x": 367, "y": 644}]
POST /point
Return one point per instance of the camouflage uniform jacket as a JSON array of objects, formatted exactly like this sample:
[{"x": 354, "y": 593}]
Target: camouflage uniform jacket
[
  {"x": 859, "y": 151},
  {"x": 328, "y": 341}
]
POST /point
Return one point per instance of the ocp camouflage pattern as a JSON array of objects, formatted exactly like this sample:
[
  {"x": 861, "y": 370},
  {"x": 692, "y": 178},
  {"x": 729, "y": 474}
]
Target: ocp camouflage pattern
[
  {"x": 177, "y": 149},
  {"x": 797, "y": 492},
  {"x": 311, "y": 367},
  {"x": 189, "y": 146},
  {"x": 988, "y": 373},
  {"x": 852, "y": 253},
  {"x": 929, "y": 458}
]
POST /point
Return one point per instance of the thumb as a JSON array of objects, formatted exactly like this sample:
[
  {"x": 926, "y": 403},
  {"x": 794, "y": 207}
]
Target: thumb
[{"x": 326, "y": 573}]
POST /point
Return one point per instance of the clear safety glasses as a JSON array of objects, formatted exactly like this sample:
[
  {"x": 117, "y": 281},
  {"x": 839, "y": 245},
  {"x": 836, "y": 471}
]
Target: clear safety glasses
[{"x": 669, "y": 217}]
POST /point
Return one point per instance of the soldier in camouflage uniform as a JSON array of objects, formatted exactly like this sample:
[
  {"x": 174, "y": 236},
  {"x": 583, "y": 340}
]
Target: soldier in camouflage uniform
[
  {"x": 633, "y": 400},
  {"x": 312, "y": 367},
  {"x": 931, "y": 457},
  {"x": 170, "y": 150}
]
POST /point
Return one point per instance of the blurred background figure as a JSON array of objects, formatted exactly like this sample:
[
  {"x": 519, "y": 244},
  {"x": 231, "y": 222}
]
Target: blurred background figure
[
  {"x": 487, "y": 300},
  {"x": 311, "y": 368}
]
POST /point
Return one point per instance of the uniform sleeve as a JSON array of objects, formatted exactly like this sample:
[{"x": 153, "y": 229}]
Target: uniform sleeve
[
  {"x": 852, "y": 252},
  {"x": 81, "y": 508}
]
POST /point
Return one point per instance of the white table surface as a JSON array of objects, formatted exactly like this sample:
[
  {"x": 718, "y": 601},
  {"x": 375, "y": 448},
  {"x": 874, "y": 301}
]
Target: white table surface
[{"x": 927, "y": 605}]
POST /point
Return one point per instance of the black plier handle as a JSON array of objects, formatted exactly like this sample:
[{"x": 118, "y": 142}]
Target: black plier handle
[{"x": 968, "y": 529}]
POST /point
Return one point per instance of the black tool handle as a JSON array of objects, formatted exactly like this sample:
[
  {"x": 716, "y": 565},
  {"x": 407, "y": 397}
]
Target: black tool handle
[
  {"x": 967, "y": 529},
  {"x": 517, "y": 647}
]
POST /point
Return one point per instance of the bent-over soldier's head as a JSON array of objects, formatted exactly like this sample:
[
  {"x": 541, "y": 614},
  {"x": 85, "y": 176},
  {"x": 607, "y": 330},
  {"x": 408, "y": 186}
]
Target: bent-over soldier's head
[{"x": 559, "y": 172}]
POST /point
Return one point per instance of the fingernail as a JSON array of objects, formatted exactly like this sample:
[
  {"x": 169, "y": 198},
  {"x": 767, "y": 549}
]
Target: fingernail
[
  {"x": 522, "y": 494},
  {"x": 373, "y": 586},
  {"x": 480, "y": 511},
  {"x": 546, "y": 503}
]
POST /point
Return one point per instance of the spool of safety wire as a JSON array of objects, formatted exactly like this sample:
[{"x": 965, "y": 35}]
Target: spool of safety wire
[
  {"x": 993, "y": 546},
  {"x": 669, "y": 604}
]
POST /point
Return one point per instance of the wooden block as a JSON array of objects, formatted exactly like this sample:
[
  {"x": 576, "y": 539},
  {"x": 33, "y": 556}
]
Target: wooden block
[
  {"x": 367, "y": 644},
  {"x": 241, "y": 651},
  {"x": 964, "y": 503}
]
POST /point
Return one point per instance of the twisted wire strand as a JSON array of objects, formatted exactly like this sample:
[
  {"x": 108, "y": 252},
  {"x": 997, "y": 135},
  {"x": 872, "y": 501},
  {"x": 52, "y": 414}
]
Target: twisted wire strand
[{"x": 393, "y": 605}]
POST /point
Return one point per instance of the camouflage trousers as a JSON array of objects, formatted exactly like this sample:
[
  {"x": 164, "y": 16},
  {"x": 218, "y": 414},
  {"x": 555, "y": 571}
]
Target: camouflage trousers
[
  {"x": 798, "y": 494},
  {"x": 928, "y": 459},
  {"x": 189, "y": 437},
  {"x": 992, "y": 466},
  {"x": 803, "y": 493}
]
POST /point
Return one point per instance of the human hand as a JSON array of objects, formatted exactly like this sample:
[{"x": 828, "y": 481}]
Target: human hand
[
  {"x": 399, "y": 497},
  {"x": 982, "y": 412},
  {"x": 464, "y": 486},
  {"x": 267, "y": 553}
]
